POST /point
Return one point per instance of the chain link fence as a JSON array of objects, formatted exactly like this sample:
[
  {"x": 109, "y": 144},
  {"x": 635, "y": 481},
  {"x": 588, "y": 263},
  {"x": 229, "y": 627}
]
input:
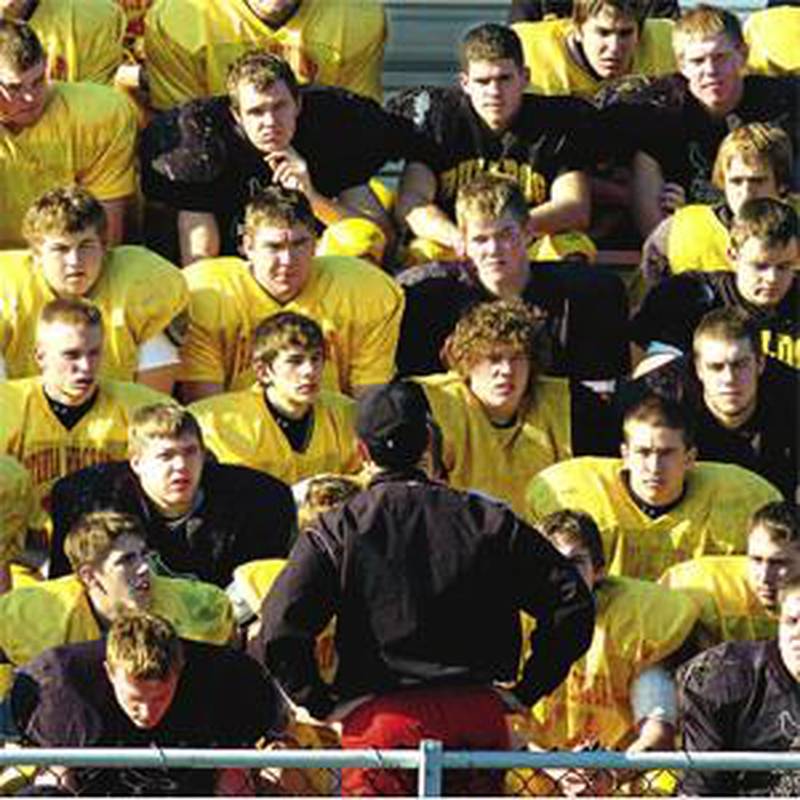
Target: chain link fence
[{"x": 428, "y": 771}]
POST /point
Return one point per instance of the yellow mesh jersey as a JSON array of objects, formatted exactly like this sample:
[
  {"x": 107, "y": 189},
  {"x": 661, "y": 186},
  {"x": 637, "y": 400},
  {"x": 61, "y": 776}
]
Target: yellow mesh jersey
[
  {"x": 730, "y": 610},
  {"x": 82, "y": 38},
  {"x": 712, "y": 518},
  {"x": 19, "y": 508},
  {"x": 189, "y": 45},
  {"x": 30, "y": 431},
  {"x": 138, "y": 292},
  {"x": 85, "y": 136},
  {"x": 773, "y": 36},
  {"x": 239, "y": 428},
  {"x": 358, "y": 307},
  {"x": 499, "y": 461},
  {"x": 554, "y": 71},
  {"x": 52, "y": 613},
  {"x": 638, "y": 624}
]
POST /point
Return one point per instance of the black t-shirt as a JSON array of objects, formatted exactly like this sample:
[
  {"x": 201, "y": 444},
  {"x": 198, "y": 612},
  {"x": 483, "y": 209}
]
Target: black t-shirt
[
  {"x": 196, "y": 157},
  {"x": 244, "y": 515},
  {"x": 673, "y": 308},
  {"x": 583, "y": 309},
  {"x": 661, "y": 117},
  {"x": 549, "y": 135},
  {"x": 65, "y": 699}
]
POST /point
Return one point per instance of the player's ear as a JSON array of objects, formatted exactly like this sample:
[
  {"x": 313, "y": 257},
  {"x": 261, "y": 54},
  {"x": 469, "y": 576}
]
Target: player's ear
[
  {"x": 463, "y": 80},
  {"x": 691, "y": 458},
  {"x": 262, "y": 371},
  {"x": 85, "y": 574}
]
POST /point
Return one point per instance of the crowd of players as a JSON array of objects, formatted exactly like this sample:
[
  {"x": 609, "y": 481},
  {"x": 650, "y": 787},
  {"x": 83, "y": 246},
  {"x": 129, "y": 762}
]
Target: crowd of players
[{"x": 203, "y": 279}]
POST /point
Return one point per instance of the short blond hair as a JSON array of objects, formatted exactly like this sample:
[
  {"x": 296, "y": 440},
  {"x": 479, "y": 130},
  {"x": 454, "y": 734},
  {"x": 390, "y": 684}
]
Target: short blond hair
[
  {"x": 489, "y": 326},
  {"x": 278, "y": 206},
  {"x": 93, "y": 535},
  {"x": 286, "y": 329},
  {"x": 144, "y": 646},
  {"x": 489, "y": 197},
  {"x": 757, "y": 142},
  {"x": 582, "y": 10},
  {"x": 705, "y": 22},
  {"x": 64, "y": 210},
  {"x": 160, "y": 421},
  {"x": 74, "y": 311}
]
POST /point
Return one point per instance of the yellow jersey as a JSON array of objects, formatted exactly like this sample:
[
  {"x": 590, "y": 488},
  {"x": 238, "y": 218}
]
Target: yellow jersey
[
  {"x": 638, "y": 624},
  {"x": 239, "y": 429},
  {"x": 138, "y": 293},
  {"x": 711, "y": 519},
  {"x": 85, "y": 136},
  {"x": 56, "y": 612},
  {"x": 358, "y": 307},
  {"x": 499, "y": 461},
  {"x": 31, "y": 432},
  {"x": 730, "y": 609},
  {"x": 773, "y": 40},
  {"x": 83, "y": 39},
  {"x": 189, "y": 45},
  {"x": 555, "y": 72},
  {"x": 19, "y": 509}
]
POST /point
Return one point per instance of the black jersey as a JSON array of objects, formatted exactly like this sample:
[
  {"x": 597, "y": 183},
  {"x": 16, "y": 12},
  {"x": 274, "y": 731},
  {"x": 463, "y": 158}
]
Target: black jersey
[
  {"x": 673, "y": 308},
  {"x": 549, "y": 135},
  {"x": 196, "y": 157}
]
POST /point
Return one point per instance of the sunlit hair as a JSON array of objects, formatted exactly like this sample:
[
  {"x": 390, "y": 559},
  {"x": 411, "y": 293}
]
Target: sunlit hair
[
  {"x": 160, "y": 421},
  {"x": 780, "y": 520},
  {"x": 73, "y": 311},
  {"x": 491, "y": 42},
  {"x": 726, "y": 325},
  {"x": 771, "y": 221},
  {"x": 20, "y": 48},
  {"x": 92, "y": 536},
  {"x": 62, "y": 211},
  {"x": 659, "y": 412},
  {"x": 489, "y": 197},
  {"x": 278, "y": 206},
  {"x": 323, "y": 493},
  {"x": 706, "y": 22},
  {"x": 144, "y": 647},
  {"x": 582, "y": 10},
  {"x": 757, "y": 143},
  {"x": 488, "y": 327},
  {"x": 261, "y": 70},
  {"x": 286, "y": 329},
  {"x": 576, "y": 527}
]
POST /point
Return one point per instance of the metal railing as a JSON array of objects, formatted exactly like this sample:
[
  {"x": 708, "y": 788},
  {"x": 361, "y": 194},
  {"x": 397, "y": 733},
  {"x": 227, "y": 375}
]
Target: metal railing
[{"x": 429, "y": 760}]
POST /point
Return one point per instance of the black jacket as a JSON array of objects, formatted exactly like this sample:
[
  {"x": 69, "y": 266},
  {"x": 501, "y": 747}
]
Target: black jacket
[
  {"x": 426, "y": 584},
  {"x": 244, "y": 515}
]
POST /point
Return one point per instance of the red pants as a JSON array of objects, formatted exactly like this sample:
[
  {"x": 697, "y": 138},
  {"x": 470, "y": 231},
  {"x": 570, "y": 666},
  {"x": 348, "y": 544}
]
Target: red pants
[{"x": 461, "y": 717}]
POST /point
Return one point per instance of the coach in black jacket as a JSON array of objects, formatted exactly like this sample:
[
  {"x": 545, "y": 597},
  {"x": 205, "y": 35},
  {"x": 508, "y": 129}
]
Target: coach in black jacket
[
  {"x": 201, "y": 518},
  {"x": 426, "y": 584}
]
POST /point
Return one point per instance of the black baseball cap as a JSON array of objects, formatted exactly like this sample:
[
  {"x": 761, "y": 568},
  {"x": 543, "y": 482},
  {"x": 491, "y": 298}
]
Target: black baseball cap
[{"x": 392, "y": 421}]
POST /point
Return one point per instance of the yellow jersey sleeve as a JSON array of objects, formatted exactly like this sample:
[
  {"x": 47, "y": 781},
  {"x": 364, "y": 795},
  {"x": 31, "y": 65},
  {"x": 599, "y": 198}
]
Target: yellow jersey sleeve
[
  {"x": 697, "y": 240},
  {"x": 18, "y": 508},
  {"x": 555, "y": 72},
  {"x": 199, "y": 611},
  {"x": 189, "y": 46},
  {"x": 772, "y": 36},
  {"x": 83, "y": 39}
]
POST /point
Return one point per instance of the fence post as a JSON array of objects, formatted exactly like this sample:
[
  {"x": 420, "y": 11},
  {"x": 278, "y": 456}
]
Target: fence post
[{"x": 430, "y": 768}]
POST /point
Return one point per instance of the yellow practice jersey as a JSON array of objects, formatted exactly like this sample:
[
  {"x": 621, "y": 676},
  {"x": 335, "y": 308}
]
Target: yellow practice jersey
[
  {"x": 239, "y": 429},
  {"x": 139, "y": 294},
  {"x": 19, "y": 508},
  {"x": 189, "y": 45},
  {"x": 31, "y": 432},
  {"x": 499, "y": 461},
  {"x": 730, "y": 610},
  {"x": 86, "y": 136},
  {"x": 554, "y": 71},
  {"x": 358, "y": 307},
  {"x": 773, "y": 39},
  {"x": 638, "y": 624},
  {"x": 56, "y": 612},
  {"x": 711, "y": 519},
  {"x": 83, "y": 39}
]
